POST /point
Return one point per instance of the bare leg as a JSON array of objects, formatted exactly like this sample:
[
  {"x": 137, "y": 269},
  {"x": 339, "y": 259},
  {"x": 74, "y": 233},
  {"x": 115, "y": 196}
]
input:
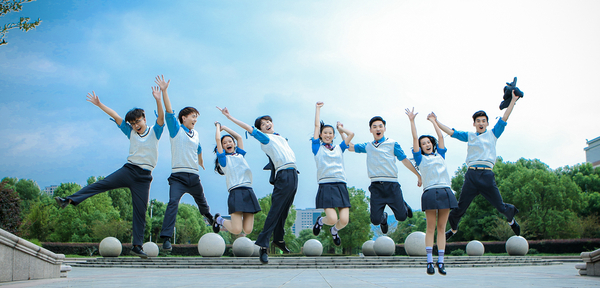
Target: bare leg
[
  {"x": 330, "y": 217},
  {"x": 234, "y": 226},
  {"x": 344, "y": 218},
  {"x": 248, "y": 222},
  {"x": 441, "y": 227},
  {"x": 431, "y": 217}
]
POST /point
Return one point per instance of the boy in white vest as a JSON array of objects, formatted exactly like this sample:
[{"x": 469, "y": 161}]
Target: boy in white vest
[
  {"x": 285, "y": 182},
  {"x": 481, "y": 157},
  {"x": 136, "y": 174},
  {"x": 186, "y": 156},
  {"x": 383, "y": 172}
]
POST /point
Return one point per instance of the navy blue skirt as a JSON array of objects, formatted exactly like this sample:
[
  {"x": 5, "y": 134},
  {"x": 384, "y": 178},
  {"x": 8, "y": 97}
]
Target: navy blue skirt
[
  {"x": 243, "y": 199},
  {"x": 333, "y": 195},
  {"x": 438, "y": 198}
]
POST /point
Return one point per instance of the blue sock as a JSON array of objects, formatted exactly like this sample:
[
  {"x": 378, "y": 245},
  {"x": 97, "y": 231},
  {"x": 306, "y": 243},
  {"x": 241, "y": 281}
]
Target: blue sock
[
  {"x": 441, "y": 256},
  {"x": 429, "y": 254}
]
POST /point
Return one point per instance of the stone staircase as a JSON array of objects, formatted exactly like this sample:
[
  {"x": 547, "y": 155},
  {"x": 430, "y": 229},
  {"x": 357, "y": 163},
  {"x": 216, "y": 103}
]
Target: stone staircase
[{"x": 293, "y": 262}]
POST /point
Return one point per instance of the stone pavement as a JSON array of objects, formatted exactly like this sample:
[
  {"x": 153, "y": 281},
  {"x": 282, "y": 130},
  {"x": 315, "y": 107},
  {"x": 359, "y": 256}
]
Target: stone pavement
[{"x": 564, "y": 275}]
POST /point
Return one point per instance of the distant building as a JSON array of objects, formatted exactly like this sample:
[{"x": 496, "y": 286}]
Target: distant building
[
  {"x": 305, "y": 219},
  {"x": 50, "y": 189},
  {"x": 592, "y": 152}
]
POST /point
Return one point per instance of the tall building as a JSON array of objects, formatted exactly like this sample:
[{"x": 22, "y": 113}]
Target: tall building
[
  {"x": 592, "y": 152},
  {"x": 305, "y": 219},
  {"x": 50, "y": 189}
]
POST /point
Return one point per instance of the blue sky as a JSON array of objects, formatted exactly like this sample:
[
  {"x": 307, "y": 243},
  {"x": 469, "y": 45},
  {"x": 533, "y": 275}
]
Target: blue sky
[{"x": 362, "y": 58}]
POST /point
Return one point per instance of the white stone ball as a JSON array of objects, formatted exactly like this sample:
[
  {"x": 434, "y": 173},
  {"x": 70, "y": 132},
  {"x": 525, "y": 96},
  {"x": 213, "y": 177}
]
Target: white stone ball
[
  {"x": 415, "y": 244},
  {"x": 110, "y": 247},
  {"x": 367, "y": 248},
  {"x": 475, "y": 248},
  {"x": 256, "y": 251},
  {"x": 151, "y": 249},
  {"x": 211, "y": 245},
  {"x": 517, "y": 246},
  {"x": 384, "y": 246},
  {"x": 312, "y": 247},
  {"x": 243, "y": 247}
]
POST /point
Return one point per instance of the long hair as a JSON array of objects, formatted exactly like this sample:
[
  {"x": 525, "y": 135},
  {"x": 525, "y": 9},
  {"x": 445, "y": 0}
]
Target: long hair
[
  {"x": 217, "y": 166},
  {"x": 433, "y": 143}
]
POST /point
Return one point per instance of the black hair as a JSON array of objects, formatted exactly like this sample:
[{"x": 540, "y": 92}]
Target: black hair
[
  {"x": 217, "y": 166},
  {"x": 134, "y": 114},
  {"x": 185, "y": 112},
  {"x": 259, "y": 119},
  {"x": 376, "y": 118},
  {"x": 433, "y": 143},
  {"x": 323, "y": 126},
  {"x": 479, "y": 114}
]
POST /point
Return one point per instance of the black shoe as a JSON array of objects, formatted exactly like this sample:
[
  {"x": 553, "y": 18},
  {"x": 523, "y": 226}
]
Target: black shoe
[
  {"x": 167, "y": 245},
  {"x": 209, "y": 219},
  {"x": 449, "y": 234},
  {"x": 441, "y": 268},
  {"x": 216, "y": 227},
  {"x": 317, "y": 227},
  {"x": 281, "y": 245},
  {"x": 430, "y": 269},
  {"x": 516, "y": 228},
  {"x": 336, "y": 238},
  {"x": 263, "y": 255},
  {"x": 137, "y": 251},
  {"x": 62, "y": 202},
  {"x": 409, "y": 212},
  {"x": 384, "y": 225}
]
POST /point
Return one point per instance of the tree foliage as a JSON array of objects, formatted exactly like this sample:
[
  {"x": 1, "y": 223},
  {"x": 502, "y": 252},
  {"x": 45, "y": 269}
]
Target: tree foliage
[
  {"x": 7, "y": 6},
  {"x": 10, "y": 209}
]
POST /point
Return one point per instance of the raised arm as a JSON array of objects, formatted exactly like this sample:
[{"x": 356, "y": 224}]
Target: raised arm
[
  {"x": 218, "y": 137},
  {"x": 92, "y": 98},
  {"x": 346, "y": 134},
  {"x": 433, "y": 118},
  {"x": 161, "y": 113},
  {"x": 160, "y": 81},
  {"x": 238, "y": 137},
  {"x": 238, "y": 122},
  {"x": 510, "y": 106},
  {"x": 413, "y": 128},
  {"x": 318, "y": 119},
  {"x": 412, "y": 168},
  {"x": 444, "y": 128}
]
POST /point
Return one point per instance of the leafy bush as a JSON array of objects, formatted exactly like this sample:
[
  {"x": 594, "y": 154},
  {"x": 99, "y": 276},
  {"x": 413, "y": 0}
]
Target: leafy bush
[
  {"x": 10, "y": 209},
  {"x": 457, "y": 252}
]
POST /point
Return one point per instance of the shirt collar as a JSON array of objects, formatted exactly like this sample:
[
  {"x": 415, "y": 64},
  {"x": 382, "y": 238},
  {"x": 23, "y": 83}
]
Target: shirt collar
[{"x": 380, "y": 140}]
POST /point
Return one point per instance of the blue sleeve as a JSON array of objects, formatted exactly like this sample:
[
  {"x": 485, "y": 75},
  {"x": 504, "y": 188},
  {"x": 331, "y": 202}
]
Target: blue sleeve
[
  {"x": 240, "y": 151},
  {"x": 222, "y": 159},
  {"x": 125, "y": 127},
  {"x": 343, "y": 146},
  {"x": 260, "y": 136},
  {"x": 360, "y": 148},
  {"x": 316, "y": 144},
  {"x": 442, "y": 152},
  {"x": 158, "y": 130},
  {"x": 417, "y": 156},
  {"x": 398, "y": 152},
  {"x": 172, "y": 124},
  {"x": 199, "y": 149},
  {"x": 460, "y": 135},
  {"x": 499, "y": 128}
]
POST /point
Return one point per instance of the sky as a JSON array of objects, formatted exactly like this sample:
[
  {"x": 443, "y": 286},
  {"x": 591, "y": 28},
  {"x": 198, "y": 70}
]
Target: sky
[{"x": 361, "y": 58}]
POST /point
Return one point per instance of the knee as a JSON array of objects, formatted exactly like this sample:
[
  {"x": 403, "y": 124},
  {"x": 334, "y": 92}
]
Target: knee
[
  {"x": 236, "y": 230},
  {"x": 400, "y": 217},
  {"x": 343, "y": 221}
]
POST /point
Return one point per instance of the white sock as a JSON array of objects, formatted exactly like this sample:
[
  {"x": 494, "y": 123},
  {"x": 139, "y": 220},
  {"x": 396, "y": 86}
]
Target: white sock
[
  {"x": 334, "y": 230},
  {"x": 320, "y": 221},
  {"x": 220, "y": 220},
  {"x": 511, "y": 222}
]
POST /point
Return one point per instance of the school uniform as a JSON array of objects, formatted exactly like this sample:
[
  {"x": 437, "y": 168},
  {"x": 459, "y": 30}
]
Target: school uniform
[
  {"x": 185, "y": 148},
  {"x": 239, "y": 182},
  {"x": 383, "y": 172},
  {"x": 331, "y": 175},
  {"x": 436, "y": 181},
  {"x": 285, "y": 185},
  {"x": 479, "y": 179},
  {"x": 136, "y": 175}
]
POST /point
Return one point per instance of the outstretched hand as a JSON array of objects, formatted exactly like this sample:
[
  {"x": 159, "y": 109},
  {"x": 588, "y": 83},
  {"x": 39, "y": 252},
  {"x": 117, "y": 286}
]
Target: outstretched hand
[
  {"x": 156, "y": 92},
  {"x": 432, "y": 117},
  {"x": 224, "y": 111},
  {"x": 93, "y": 98},
  {"x": 320, "y": 104},
  {"x": 339, "y": 125},
  {"x": 411, "y": 114},
  {"x": 160, "y": 81}
]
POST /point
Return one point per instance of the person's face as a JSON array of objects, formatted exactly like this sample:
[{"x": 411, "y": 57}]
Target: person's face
[
  {"x": 377, "y": 129},
  {"x": 327, "y": 135},
  {"x": 139, "y": 125},
  {"x": 228, "y": 145},
  {"x": 481, "y": 124},
  {"x": 190, "y": 120},
  {"x": 426, "y": 145},
  {"x": 266, "y": 126}
]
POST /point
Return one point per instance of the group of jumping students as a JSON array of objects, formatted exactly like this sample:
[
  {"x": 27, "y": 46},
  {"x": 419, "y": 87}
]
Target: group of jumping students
[{"x": 438, "y": 200}]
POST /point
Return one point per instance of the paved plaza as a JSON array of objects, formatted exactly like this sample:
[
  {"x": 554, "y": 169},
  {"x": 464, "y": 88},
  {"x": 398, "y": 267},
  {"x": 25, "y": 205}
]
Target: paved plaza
[{"x": 564, "y": 275}]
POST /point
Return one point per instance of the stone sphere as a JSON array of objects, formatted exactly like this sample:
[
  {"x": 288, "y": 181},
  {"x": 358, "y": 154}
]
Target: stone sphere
[
  {"x": 517, "y": 246},
  {"x": 151, "y": 249},
  {"x": 367, "y": 248},
  {"x": 415, "y": 244},
  {"x": 384, "y": 246},
  {"x": 475, "y": 248},
  {"x": 256, "y": 251},
  {"x": 243, "y": 247},
  {"x": 110, "y": 247},
  {"x": 312, "y": 247},
  {"x": 211, "y": 245}
]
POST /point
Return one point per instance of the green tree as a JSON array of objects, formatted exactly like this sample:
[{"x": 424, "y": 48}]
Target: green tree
[
  {"x": 37, "y": 223},
  {"x": 358, "y": 229},
  {"x": 402, "y": 229},
  {"x": 7, "y": 6},
  {"x": 154, "y": 223},
  {"x": 121, "y": 199},
  {"x": 10, "y": 209},
  {"x": 29, "y": 192},
  {"x": 190, "y": 224}
]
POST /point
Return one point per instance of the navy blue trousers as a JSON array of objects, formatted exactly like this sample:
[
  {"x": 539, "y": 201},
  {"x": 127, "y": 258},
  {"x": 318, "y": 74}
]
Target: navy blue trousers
[
  {"x": 479, "y": 182},
  {"x": 390, "y": 194},
  {"x": 129, "y": 176},
  {"x": 284, "y": 191}
]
